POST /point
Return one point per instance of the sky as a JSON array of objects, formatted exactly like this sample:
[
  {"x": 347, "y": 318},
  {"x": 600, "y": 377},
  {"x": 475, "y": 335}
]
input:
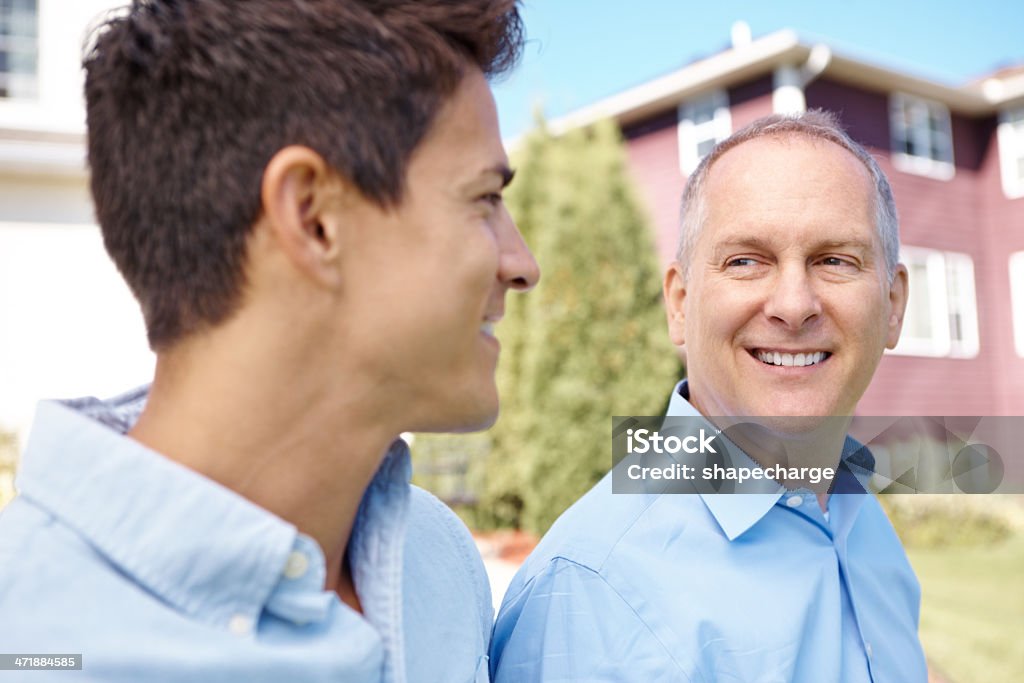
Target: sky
[{"x": 579, "y": 51}]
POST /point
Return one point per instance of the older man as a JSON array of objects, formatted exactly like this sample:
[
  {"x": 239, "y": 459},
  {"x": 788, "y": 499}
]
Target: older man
[
  {"x": 785, "y": 293},
  {"x": 306, "y": 199}
]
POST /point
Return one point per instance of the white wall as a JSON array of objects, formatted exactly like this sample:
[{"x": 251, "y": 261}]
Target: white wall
[
  {"x": 45, "y": 199},
  {"x": 68, "y": 323}
]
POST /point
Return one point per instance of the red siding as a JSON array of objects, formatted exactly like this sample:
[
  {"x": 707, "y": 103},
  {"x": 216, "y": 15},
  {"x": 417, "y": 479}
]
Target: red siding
[
  {"x": 1003, "y": 234},
  {"x": 941, "y": 214},
  {"x": 750, "y": 101},
  {"x": 653, "y": 148}
]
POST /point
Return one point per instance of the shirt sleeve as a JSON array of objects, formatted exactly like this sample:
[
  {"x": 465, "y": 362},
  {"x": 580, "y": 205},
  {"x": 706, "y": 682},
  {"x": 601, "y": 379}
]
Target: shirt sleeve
[{"x": 568, "y": 624}]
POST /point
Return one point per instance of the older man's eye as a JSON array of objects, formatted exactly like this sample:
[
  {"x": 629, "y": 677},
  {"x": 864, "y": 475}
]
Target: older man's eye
[
  {"x": 739, "y": 262},
  {"x": 835, "y": 261}
]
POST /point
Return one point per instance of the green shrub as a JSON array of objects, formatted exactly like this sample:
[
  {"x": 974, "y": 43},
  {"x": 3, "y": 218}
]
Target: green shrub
[{"x": 589, "y": 343}]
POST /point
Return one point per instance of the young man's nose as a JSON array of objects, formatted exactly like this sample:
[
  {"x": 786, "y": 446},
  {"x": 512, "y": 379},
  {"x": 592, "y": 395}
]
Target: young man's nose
[{"x": 517, "y": 268}]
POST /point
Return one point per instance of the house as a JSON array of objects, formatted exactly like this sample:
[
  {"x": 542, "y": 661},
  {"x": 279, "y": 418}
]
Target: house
[
  {"x": 69, "y": 326},
  {"x": 954, "y": 156}
]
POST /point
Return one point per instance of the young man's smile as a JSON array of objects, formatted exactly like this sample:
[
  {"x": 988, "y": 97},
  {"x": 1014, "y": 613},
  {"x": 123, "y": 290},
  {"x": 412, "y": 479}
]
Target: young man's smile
[{"x": 443, "y": 260}]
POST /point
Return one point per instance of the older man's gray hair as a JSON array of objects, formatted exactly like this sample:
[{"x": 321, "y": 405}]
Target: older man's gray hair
[{"x": 814, "y": 124}]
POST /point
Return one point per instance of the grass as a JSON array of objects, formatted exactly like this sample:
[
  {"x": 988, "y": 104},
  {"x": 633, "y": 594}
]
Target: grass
[{"x": 972, "y": 610}]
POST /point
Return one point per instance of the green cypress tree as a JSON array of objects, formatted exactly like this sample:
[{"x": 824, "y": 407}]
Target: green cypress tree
[{"x": 590, "y": 342}]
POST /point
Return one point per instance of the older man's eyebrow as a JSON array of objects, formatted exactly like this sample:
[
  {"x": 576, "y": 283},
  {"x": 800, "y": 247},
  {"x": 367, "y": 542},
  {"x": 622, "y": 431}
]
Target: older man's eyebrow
[
  {"x": 750, "y": 242},
  {"x": 854, "y": 243}
]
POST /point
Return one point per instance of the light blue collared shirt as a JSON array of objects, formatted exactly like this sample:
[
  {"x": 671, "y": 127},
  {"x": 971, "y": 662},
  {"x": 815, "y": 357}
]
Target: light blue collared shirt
[
  {"x": 713, "y": 587},
  {"x": 155, "y": 573}
]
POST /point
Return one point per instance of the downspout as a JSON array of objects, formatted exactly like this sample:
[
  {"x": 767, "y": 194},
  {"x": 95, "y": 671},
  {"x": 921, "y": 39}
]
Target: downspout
[{"x": 789, "y": 82}]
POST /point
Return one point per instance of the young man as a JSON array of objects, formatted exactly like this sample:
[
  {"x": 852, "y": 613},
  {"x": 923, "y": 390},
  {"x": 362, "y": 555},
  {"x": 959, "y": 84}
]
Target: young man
[
  {"x": 305, "y": 198},
  {"x": 785, "y": 293}
]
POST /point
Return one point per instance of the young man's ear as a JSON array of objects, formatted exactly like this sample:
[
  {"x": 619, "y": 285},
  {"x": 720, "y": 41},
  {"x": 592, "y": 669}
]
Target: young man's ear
[
  {"x": 674, "y": 290},
  {"x": 899, "y": 291},
  {"x": 301, "y": 196}
]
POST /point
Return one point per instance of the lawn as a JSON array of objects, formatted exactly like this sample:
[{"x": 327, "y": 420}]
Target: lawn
[{"x": 972, "y": 610}]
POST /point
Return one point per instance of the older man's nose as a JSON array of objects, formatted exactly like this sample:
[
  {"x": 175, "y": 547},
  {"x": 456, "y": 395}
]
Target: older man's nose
[{"x": 791, "y": 298}]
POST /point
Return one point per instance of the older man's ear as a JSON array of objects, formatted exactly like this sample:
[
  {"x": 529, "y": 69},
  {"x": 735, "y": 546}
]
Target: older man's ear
[
  {"x": 674, "y": 290},
  {"x": 899, "y": 290}
]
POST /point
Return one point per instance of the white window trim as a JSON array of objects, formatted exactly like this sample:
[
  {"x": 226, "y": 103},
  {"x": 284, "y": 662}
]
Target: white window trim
[
  {"x": 969, "y": 346},
  {"x": 941, "y": 344},
  {"x": 940, "y": 169},
  {"x": 1011, "y": 149},
  {"x": 687, "y": 130},
  {"x": 29, "y": 92},
  {"x": 1017, "y": 299}
]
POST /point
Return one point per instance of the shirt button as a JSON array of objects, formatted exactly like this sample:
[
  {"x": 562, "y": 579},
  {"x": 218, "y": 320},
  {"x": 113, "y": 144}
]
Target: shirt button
[
  {"x": 795, "y": 501},
  {"x": 240, "y": 625},
  {"x": 296, "y": 565},
  {"x": 867, "y": 649}
]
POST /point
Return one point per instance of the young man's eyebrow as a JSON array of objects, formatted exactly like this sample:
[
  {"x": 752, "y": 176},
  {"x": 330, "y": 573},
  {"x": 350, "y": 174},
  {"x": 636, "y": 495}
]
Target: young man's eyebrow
[
  {"x": 506, "y": 173},
  {"x": 501, "y": 170}
]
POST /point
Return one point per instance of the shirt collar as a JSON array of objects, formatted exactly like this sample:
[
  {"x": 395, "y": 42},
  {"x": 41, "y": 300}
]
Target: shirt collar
[
  {"x": 194, "y": 543},
  {"x": 735, "y": 514}
]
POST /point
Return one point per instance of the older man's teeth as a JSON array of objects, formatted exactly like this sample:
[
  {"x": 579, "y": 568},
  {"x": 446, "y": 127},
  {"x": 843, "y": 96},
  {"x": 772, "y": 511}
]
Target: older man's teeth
[{"x": 790, "y": 360}]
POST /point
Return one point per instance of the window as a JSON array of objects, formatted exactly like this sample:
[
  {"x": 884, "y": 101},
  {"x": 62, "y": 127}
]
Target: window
[
  {"x": 922, "y": 138},
  {"x": 1011, "y": 151},
  {"x": 942, "y": 312},
  {"x": 18, "y": 48},
  {"x": 1017, "y": 298},
  {"x": 703, "y": 123}
]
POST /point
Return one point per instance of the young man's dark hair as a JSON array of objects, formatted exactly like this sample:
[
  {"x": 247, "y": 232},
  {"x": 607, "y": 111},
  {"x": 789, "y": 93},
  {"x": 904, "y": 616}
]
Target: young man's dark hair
[
  {"x": 306, "y": 198},
  {"x": 188, "y": 100}
]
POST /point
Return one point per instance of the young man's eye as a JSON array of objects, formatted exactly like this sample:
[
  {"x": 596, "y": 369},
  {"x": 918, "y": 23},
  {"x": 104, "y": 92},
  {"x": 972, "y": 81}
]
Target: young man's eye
[{"x": 492, "y": 198}]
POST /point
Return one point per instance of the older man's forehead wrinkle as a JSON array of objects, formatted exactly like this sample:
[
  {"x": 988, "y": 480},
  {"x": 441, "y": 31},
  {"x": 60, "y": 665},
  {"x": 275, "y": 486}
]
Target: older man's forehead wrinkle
[{"x": 758, "y": 242}]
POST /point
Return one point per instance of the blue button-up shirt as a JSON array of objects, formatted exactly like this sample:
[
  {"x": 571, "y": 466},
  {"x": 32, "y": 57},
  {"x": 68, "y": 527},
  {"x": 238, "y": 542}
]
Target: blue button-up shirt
[
  {"x": 713, "y": 587},
  {"x": 155, "y": 573}
]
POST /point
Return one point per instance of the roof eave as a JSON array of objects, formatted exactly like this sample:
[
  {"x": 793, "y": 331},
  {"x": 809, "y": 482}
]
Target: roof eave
[
  {"x": 721, "y": 70},
  {"x": 740, "y": 64}
]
